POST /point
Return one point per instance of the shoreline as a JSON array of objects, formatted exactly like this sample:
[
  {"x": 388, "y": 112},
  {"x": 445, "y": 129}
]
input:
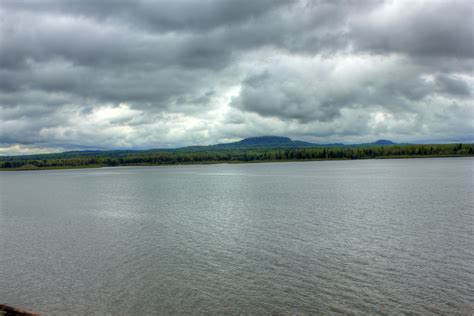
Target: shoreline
[{"x": 230, "y": 162}]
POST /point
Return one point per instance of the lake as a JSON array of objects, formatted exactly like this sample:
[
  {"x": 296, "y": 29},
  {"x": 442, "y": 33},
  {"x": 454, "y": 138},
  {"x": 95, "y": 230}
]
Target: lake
[{"x": 349, "y": 237}]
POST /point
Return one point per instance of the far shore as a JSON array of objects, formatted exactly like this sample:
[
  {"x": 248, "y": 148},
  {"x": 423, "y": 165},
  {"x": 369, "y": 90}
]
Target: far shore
[{"x": 33, "y": 168}]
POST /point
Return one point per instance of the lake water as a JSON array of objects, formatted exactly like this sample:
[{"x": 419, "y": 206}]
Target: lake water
[{"x": 350, "y": 237}]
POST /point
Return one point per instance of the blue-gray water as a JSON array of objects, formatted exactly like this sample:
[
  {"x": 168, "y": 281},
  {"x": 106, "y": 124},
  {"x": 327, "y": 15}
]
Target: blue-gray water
[{"x": 366, "y": 236}]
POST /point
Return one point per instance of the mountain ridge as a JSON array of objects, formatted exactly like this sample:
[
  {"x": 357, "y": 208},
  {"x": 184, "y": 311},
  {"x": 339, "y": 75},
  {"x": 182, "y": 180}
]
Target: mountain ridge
[
  {"x": 283, "y": 142},
  {"x": 263, "y": 142}
]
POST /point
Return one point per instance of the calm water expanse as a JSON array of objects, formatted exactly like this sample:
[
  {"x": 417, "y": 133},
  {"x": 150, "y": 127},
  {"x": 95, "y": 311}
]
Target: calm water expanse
[{"x": 385, "y": 236}]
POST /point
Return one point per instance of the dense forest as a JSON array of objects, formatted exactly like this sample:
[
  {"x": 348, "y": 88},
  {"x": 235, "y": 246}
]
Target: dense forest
[{"x": 181, "y": 156}]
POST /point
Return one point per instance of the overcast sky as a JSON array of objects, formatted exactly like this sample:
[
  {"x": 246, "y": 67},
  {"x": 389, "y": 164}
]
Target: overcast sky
[{"x": 87, "y": 74}]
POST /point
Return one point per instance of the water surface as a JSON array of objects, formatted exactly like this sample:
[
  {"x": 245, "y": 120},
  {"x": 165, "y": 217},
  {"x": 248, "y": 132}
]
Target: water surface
[{"x": 365, "y": 236}]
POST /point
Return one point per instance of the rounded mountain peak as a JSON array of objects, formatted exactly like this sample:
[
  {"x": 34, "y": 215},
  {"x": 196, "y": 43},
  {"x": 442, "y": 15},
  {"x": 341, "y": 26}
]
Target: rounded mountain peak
[{"x": 265, "y": 140}]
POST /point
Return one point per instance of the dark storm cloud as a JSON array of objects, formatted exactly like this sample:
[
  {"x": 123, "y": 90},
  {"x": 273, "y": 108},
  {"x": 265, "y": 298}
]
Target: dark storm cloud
[{"x": 168, "y": 73}]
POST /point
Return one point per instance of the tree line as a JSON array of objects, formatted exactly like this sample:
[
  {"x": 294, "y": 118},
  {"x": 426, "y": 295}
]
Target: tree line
[{"x": 170, "y": 157}]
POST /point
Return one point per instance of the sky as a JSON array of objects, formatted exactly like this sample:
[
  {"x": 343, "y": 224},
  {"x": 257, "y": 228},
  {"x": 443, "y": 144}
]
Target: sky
[{"x": 88, "y": 74}]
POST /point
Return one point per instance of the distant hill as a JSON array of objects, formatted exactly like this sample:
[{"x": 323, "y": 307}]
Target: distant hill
[
  {"x": 380, "y": 142},
  {"x": 260, "y": 142},
  {"x": 265, "y": 141},
  {"x": 277, "y": 142},
  {"x": 383, "y": 142}
]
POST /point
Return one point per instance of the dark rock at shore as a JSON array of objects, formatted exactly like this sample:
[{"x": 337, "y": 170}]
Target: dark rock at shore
[{"x": 6, "y": 310}]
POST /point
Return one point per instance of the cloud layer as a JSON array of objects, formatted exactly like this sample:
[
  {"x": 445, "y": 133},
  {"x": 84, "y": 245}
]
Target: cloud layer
[{"x": 144, "y": 74}]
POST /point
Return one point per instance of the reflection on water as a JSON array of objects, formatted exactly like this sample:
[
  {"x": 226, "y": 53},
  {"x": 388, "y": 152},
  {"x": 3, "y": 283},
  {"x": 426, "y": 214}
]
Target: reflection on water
[{"x": 379, "y": 236}]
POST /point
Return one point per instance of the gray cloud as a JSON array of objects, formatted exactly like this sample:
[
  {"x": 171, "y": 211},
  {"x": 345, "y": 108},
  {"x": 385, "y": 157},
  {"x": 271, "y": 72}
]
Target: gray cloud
[
  {"x": 318, "y": 89},
  {"x": 160, "y": 16},
  {"x": 421, "y": 28},
  {"x": 140, "y": 74},
  {"x": 452, "y": 85}
]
